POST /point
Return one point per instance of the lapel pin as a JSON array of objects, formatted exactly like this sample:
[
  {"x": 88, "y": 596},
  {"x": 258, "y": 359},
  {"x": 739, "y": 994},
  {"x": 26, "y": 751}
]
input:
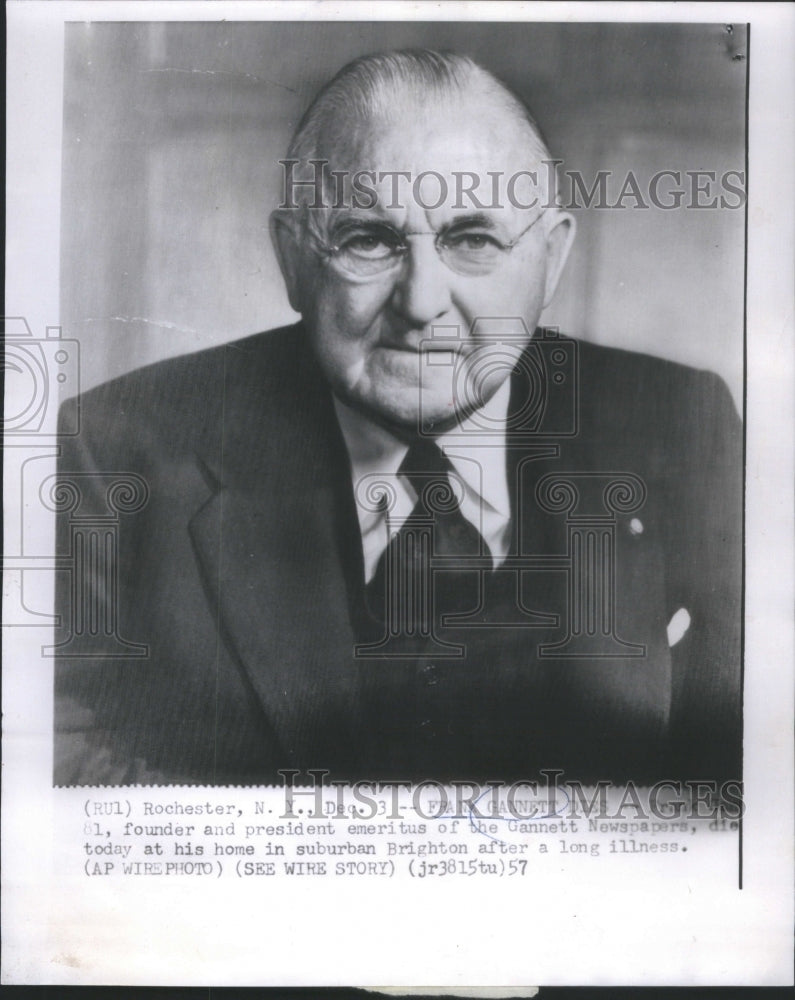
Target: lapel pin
[{"x": 636, "y": 526}]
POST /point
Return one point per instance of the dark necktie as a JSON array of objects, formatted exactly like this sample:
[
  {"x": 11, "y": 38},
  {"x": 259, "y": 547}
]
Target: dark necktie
[{"x": 404, "y": 591}]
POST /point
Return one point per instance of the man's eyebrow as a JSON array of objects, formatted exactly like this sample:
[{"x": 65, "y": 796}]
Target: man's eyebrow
[
  {"x": 473, "y": 219},
  {"x": 361, "y": 216}
]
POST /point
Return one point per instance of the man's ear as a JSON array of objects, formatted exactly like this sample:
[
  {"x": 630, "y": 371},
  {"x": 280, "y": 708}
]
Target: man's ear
[
  {"x": 560, "y": 236},
  {"x": 285, "y": 237}
]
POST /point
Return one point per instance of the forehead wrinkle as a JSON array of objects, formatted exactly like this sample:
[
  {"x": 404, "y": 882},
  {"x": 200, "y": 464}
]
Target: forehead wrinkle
[{"x": 352, "y": 142}]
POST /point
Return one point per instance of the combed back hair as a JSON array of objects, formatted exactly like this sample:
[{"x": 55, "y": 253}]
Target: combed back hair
[{"x": 382, "y": 86}]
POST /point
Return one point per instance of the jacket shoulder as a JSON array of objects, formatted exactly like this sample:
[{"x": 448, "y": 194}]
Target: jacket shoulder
[
  {"x": 186, "y": 394},
  {"x": 638, "y": 373},
  {"x": 660, "y": 398}
]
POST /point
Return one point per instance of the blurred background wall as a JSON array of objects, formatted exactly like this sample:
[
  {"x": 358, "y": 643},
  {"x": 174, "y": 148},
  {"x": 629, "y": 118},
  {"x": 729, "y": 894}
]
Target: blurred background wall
[{"x": 173, "y": 132}]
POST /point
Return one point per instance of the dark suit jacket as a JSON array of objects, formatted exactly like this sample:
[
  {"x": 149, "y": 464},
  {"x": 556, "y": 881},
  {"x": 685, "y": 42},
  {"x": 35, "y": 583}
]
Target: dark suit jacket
[{"x": 242, "y": 576}]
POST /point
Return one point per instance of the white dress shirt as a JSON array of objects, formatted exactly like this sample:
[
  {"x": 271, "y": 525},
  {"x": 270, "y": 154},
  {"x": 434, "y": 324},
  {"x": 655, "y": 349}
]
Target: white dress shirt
[{"x": 478, "y": 459}]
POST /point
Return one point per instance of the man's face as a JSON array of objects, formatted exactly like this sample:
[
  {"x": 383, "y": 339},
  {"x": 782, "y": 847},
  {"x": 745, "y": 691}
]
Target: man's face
[{"x": 374, "y": 333}]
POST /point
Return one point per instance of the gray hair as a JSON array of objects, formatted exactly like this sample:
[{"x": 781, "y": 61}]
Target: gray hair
[{"x": 380, "y": 86}]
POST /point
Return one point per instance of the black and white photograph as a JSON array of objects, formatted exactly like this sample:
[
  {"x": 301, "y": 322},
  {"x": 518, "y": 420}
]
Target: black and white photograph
[
  {"x": 411, "y": 532},
  {"x": 398, "y": 426}
]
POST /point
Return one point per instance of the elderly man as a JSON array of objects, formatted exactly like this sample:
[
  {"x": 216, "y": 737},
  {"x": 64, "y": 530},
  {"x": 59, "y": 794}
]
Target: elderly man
[{"x": 411, "y": 536}]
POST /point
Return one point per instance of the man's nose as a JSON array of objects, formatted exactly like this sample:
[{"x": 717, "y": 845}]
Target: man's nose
[{"x": 422, "y": 289}]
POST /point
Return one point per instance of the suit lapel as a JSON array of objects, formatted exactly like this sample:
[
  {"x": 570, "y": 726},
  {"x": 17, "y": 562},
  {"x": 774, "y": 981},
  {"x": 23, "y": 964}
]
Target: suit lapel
[{"x": 269, "y": 546}]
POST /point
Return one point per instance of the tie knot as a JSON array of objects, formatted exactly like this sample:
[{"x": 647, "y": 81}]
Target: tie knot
[
  {"x": 429, "y": 470},
  {"x": 424, "y": 458}
]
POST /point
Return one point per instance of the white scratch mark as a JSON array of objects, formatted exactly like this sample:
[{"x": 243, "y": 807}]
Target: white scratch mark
[
  {"x": 164, "y": 324},
  {"x": 221, "y": 72}
]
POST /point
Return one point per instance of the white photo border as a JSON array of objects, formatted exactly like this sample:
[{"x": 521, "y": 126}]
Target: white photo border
[{"x": 742, "y": 937}]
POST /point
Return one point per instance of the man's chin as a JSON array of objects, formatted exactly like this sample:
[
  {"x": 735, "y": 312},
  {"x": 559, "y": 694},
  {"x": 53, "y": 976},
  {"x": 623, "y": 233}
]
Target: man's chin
[
  {"x": 398, "y": 402},
  {"x": 408, "y": 422}
]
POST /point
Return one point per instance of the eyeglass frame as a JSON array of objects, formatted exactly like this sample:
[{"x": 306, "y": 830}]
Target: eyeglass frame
[{"x": 331, "y": 249}]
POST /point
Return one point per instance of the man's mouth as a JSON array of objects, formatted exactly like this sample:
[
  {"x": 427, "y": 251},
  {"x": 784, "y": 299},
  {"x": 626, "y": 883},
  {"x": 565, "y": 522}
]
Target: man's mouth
[{"x": 435, "y": 345}]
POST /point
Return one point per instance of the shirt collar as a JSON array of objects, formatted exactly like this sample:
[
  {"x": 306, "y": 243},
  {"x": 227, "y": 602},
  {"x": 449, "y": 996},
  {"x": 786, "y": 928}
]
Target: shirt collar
[{"x": 479, "y": 442}]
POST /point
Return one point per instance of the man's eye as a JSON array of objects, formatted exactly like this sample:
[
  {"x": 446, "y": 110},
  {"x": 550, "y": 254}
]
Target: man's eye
[
  {"x": 367, "y": 245},
  {"x": 471, "y": 242}
]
